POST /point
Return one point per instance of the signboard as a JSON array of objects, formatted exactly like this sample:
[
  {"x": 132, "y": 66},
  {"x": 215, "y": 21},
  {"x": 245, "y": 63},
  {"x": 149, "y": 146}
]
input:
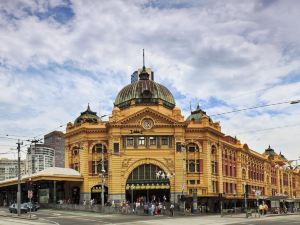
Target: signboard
[
  {"x": 44, "y": 195},
  {"x": 275, "y": 204},
  {"x": 30, "y": 194}
]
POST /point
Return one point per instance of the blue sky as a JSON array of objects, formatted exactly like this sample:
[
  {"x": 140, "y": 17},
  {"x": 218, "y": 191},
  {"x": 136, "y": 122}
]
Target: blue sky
[{"x": 56, "y": 56}]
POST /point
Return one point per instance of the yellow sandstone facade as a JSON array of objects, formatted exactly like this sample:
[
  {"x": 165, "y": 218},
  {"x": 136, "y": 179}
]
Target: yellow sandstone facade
[{"x": 150, "y": 150}]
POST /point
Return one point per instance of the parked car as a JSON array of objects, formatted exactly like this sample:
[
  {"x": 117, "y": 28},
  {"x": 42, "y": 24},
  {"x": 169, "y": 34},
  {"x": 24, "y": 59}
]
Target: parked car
[
  {"x": 31, "y": 205},
  {"x": 14, "y": 208}
]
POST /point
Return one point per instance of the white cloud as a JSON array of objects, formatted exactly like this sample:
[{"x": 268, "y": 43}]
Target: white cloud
[{"x": 238, "y": 52}]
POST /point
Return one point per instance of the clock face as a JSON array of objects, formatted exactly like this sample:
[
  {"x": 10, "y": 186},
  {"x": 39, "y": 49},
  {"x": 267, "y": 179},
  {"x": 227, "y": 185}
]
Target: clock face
[{"x": 147, "y": 123}]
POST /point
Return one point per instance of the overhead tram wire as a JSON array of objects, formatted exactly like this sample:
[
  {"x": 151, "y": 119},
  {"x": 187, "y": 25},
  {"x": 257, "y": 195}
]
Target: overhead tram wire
[
  {"x": 257, "y": 107},
  {"x": 5, "y": 137},
  {"x": 42, "y": 134},
  {"x": 13, "y": 135},
  {"x": 271, "y": 128}
]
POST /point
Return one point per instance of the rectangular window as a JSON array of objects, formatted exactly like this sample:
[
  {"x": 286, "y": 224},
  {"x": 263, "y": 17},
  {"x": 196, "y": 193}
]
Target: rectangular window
[
  {"x": 192, "y": 148},
  {"x": 116, "y": 147},
  {"x": 129, "y": 141},
  {"x": 141, "y": 141},
  {"x": 152, "y": 140},
  {"x": 192, "y": 182},
  {"x": 165, "y": 140},
  {"x": 192, "y": 166},
  {"x": 178, "y": 146},
  {"x": 214, "y": 167}
]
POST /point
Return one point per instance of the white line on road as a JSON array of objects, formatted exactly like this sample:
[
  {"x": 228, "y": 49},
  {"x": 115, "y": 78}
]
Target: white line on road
[{"x": 50, "y": 221}]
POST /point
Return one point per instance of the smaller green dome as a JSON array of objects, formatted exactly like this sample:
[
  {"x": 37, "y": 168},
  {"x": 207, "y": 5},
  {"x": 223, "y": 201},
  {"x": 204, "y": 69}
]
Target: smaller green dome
[
  {"x": 197, "y": 115},
  {"x": 282, "y": 156},
  {"x": 270, "y": 151},
  {"x": 87, "y": 116}
]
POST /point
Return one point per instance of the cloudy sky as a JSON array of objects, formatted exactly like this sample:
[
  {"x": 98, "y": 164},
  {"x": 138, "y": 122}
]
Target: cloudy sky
[{"x": 56, "y": 56}]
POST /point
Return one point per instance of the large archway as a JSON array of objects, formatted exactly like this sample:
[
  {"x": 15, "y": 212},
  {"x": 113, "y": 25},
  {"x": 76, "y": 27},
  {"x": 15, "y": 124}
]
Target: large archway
[{"x": 148, "y": 183}]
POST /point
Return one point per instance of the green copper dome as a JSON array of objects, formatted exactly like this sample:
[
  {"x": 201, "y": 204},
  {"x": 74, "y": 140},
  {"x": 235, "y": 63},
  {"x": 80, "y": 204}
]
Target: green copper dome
[
  {"x": 144, "y": 92},
  {"x": 87, "y": 116},
  {"x": 197, "y": 115},
  {"x": 270, "y": 152}
]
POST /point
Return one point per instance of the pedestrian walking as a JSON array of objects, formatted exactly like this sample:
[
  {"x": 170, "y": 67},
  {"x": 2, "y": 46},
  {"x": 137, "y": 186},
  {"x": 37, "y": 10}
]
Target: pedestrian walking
[{"x": 172, "y": 209}]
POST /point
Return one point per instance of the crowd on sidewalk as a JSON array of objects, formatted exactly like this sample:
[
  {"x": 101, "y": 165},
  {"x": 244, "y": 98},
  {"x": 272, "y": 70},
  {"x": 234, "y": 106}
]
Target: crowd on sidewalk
[{"x": 153, "y": 207}]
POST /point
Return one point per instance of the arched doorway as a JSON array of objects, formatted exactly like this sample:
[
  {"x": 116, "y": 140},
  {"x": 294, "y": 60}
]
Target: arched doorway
[
  {"x": 96, "y": 193},
  {"x": 148, "y": 183}
]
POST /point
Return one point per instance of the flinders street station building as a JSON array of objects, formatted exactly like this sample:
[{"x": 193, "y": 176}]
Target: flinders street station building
[{"x": 148, "y": 150}]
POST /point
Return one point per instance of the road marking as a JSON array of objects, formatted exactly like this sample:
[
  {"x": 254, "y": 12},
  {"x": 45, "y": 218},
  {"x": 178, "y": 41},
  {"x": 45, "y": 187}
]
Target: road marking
[{"x": 49, "y": 221}]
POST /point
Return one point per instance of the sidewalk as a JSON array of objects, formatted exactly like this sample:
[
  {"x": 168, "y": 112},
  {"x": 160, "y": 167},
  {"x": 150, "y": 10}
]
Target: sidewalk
[
  {"x": 5, "y": 213},
  {"x": 255, "y": 215}
]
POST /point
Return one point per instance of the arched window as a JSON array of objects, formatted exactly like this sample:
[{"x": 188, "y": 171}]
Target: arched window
[
  {"x": 75, "y": 151},
  {"x": 213, "y": 150},
  {"x": 99, "y": 148},
  {"x": 214, "y": 163},
  {"x": 147, "y": 173}
]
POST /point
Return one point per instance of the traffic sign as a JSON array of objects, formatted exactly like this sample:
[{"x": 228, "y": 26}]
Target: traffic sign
[{"x": 30, "y": 194}]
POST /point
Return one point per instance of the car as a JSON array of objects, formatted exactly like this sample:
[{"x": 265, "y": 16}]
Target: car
[
  {"x": 13, "y": 208},
  {"x": 32, "y": 206}
]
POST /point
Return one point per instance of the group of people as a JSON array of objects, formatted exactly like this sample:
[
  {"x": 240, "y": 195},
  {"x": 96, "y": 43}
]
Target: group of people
[
  {"x": 91, "y": 202},
  {"x": 152, "y": 208},
  {"x": 64, "y": 201},
  {"x": 263, "y": 208}
]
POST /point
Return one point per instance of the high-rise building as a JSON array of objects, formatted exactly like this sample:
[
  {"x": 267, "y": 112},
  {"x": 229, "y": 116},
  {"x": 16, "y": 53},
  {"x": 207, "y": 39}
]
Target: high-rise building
[
  {"x": 9, "y": 168},
  {"x": 39, "y": 157},
  {"x": 56, "y": 141},
  {"x": 134, "y": 77}
]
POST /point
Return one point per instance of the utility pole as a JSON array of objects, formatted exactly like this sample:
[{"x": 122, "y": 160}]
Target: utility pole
[
  {"x": 19, "y": 179},
  {"x": 245, "y": 195}
]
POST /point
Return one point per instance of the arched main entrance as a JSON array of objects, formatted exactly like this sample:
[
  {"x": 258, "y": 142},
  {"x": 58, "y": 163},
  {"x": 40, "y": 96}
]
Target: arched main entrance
[{"x": 148, "y": 183}]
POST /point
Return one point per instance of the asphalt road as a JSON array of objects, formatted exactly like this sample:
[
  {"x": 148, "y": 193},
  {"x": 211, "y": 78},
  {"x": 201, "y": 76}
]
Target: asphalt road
[
  {"x": 89, "y": 218},
  {"x": 284, "y": 220},
  {"x": 47, "y": 217},
  {"x": 68, "y": 217}
]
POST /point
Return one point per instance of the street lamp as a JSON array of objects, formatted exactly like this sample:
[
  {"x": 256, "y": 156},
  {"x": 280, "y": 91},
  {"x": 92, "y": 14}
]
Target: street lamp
[
  {"x": 102, "y": 185},
  {"x": 257, "y": 194},
  {"x": 19, "y": 179}
]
